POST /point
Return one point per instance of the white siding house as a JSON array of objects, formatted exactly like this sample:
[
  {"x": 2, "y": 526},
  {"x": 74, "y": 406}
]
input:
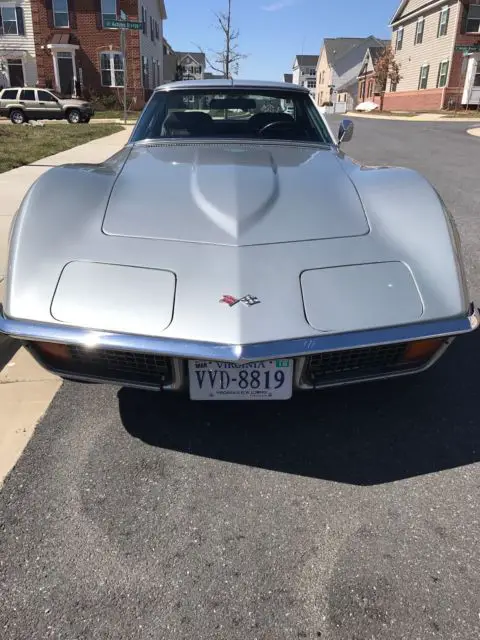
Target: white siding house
[
  {"x": 152, "y": 13},
  {"x": 17, "y": 48},
  {"x": 305, "y": 71}
]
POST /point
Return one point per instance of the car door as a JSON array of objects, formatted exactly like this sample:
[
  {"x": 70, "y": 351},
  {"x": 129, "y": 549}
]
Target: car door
[
  {"x": 7, "y": 98},
  {"x": 48, "y": 105},
  {"x": 27, "y": 100}
]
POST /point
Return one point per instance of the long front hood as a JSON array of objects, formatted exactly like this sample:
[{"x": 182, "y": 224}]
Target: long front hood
[{"x": 234, "y": 194}]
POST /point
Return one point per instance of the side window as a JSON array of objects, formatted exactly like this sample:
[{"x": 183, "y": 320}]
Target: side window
[
  {"x": 27, "y": 94},
  {"x": 44, "y": 96},
  {"x": 9, "y": 94}
]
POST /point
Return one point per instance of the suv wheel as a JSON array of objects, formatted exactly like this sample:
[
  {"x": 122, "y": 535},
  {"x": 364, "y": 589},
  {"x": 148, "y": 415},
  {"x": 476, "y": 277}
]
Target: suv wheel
[
  {"x": 17, "y": 116},
  {"x": 73, "y": 116}
]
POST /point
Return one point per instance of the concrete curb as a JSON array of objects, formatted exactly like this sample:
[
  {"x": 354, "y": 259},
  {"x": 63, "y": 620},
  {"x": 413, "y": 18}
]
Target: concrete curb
[
  {"x": 427, "y": 117},
  {"x": 26, "y": 389}
]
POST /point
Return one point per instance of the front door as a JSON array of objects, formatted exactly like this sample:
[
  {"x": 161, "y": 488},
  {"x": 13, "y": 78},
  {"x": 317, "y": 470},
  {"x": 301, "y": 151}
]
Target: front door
[
  {"x": 15, "y": 72},
  {"x": 65, "y": 72}
]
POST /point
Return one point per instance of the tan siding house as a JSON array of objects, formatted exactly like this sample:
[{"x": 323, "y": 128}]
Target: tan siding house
[
  {"x": 424, "y": 37},
  {"x": 17, "y": 47}
]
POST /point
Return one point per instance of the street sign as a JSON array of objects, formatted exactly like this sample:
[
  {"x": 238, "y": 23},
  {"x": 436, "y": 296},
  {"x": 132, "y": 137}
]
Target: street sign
[
  {"x": 467, "y": 48},
  {"x": 122, "y": 24}
]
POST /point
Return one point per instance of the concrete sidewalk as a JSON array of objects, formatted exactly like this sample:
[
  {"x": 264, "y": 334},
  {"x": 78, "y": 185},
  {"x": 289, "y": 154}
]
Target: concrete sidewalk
[{"x": 26, "y": 389}]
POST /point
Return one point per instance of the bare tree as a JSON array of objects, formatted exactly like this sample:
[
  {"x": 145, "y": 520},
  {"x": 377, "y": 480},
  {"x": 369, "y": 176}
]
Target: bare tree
[
  {"x": 227, "y": 60},
  {"x": 386, "y": 69}
]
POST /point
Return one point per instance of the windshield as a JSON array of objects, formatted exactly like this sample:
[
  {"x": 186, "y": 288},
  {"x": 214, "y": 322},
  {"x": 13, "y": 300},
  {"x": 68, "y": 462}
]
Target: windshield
[{"x": 232, "y": 114}]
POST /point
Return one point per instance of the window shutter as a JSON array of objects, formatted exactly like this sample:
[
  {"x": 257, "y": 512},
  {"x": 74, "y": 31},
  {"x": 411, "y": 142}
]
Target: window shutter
[
  {"x": 49, "y": 8},
  {"x": 99, "y": 14},
  {"x": 420, "y": 78},
  {"x": 72, "y": 14},
  {"x": 20, "y": 21},
  {"x": 426, "y": 76},
  {"x": 464, "y": 18}
]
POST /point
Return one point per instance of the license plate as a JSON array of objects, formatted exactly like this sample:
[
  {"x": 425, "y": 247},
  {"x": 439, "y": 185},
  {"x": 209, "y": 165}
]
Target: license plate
[{"x": 266, "y": 380}]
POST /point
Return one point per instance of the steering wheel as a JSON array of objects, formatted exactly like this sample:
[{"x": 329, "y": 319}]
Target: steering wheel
[{"x": 279, "y": 124}]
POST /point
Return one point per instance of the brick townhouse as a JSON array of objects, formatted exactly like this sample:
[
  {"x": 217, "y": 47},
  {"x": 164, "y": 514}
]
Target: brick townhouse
[
  {"x": 77, "y": 54},
  {"x": 437, "y": 44}
]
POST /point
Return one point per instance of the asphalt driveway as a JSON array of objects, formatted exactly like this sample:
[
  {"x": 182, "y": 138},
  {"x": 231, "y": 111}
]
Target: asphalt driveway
[{"x": 351, "y": 514}]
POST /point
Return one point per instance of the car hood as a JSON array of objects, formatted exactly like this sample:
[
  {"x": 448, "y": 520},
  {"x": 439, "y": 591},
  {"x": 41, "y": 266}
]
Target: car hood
[{"x": 237, "y": 194}]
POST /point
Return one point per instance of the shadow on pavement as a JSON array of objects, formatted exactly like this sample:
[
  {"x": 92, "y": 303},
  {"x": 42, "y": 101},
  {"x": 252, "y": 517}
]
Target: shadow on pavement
[
  {"x": 363, "y": 434},
  {"x": 8, "y": 348}
]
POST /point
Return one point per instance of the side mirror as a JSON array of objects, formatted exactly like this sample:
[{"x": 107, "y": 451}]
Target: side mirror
[{"x": 345, "y": 131}]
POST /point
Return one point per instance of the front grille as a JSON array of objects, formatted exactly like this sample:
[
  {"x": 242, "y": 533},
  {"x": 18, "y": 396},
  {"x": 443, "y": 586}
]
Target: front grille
[
  {"x": 128, "y": 366},
  {"x": 322, "y": 368}
]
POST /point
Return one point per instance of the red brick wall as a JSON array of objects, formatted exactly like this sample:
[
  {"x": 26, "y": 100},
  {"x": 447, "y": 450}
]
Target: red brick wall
[
  {"x": 84, "y": 21},
  {"x": 424, "y": 100},
  {"x": 457, "y": 77}
]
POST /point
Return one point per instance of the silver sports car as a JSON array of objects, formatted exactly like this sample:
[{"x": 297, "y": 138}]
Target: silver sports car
[{"x": 232, "y": 251}]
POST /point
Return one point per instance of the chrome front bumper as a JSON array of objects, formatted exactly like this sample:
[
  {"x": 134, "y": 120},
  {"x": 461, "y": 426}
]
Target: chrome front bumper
[
  {"x": 31, "y": 331},
  {"x": 182, "y": 350}
]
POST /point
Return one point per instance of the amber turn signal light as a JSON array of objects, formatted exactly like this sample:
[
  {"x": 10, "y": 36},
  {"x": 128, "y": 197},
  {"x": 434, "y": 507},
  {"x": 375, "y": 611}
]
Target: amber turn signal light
[
  {"x": 52, "y": 350},
  {"x": 422, "y": 349}
]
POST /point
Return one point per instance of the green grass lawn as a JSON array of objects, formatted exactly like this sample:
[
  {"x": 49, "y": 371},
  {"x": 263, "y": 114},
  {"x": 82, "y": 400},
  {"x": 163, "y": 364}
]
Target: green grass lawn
[{"x": 20, "y": 145}]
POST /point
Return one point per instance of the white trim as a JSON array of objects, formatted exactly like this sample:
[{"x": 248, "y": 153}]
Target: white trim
[
  {"x": 14, "y": 7},
  {"x": 189, "y": 55},
  {"x": 64, "y": 48},
  {"x": 111, "y": 54},
  {"x": 6, "y": 72},
  {"x": 65, "y": 26},
  {"x": 417, "y": 12}
]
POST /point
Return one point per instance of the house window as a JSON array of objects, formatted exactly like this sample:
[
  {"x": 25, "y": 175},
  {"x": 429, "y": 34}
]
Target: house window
[
  {"x": 393, "y": 86},
  {"x": 144, "y": 20},
  {"x": 443, "y": 22},
  {"x": 154, "y": 72},
  {"x": 473, "y": 18},
  {"x": 312, "y": 72},
  {"x": 152, "y": 35},
  {"x": 145, "y": 71},
  {"x": 419, "y": 31},
  {"x": 112, "y": 70},
  {"x": 311, "y": 84},
  {"x": 423, "y": 79},
  {"x": 476, "y": 79},
  {"x": 157, "y": 31},
  {"x": 60, "y": 13},
  {"x": 442, "y": 73},
  {"x": 399, "y": 42},
  {"x": 109, "y": 11},
  {"x": 11, "y": 22}
]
